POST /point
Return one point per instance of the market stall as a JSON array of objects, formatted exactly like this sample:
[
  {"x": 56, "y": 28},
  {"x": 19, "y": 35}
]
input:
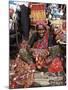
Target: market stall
[
  {"x": 38, "y": 14},
  {"x": 41, "y": 56}
]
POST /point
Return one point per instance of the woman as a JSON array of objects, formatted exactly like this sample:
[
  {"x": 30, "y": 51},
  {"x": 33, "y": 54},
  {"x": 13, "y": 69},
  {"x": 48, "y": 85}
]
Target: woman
[{"x": 39, "y": 39}]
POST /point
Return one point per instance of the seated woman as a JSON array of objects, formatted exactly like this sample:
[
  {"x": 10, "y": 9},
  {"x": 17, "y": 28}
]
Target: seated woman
[{"x": 39, "y": 39}]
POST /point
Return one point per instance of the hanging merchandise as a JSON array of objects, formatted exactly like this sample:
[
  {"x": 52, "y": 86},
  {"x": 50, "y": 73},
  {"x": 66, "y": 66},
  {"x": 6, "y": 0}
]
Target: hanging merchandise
[{"x": 38, "y": 12}]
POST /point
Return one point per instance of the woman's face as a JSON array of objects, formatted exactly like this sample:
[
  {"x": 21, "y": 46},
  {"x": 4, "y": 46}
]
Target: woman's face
[
  {"x": 41, "y": 32},
  {"x": 56, "y": 30}
]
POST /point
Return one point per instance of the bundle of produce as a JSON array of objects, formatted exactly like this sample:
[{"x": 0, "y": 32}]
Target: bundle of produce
[
  {"x": 54, "y": 51},
  {"x": 26, "y": 55},
  {"x": 41, "y": 78},
  {"x": 56, "y": 72},
  {"x": 56, "y": 65},
  {"x": 48, "y": 79},
  {"x": 21, "y": 74}
]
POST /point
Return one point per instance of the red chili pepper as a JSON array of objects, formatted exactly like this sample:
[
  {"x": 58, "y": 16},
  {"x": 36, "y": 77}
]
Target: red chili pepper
[
  {"x": 13, "y": 84},
  {"x": 56, "y": 65}
]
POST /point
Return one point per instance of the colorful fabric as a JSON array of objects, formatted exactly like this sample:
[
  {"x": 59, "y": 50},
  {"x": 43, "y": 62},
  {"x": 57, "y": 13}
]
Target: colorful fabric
[{"x": 43, "y": 43}]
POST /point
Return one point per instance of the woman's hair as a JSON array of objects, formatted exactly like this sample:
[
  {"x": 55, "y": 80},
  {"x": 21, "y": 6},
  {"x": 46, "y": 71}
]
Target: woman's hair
[{"x": 40, "y": 27}]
